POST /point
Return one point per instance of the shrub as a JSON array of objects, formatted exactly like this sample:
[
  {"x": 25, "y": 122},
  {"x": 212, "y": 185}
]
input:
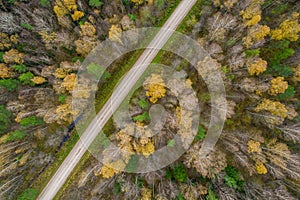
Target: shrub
[
  {"x": 9, "y": 84},
  {"x": 31, "y": 121},
  {"x": 16, "y": 135},
  {"x": 25, "y": 78}
]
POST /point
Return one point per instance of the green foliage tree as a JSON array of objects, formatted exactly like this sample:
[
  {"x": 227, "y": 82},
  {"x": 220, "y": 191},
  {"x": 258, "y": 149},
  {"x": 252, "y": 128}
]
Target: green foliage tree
[
  {"x": 5, "y": 119},
  {"x": 20, "y": 68},
  {"x": 16, "y": 135},
  {"x": 232, "y": 178},
  {"x": 10, "y": 84},
  {"x": 31, "y": 121},
  {"x": 25, "y": 78},
  {"x": 29, "y": 194},
  {"x": 98, "y": 71},
  {"x": 179, "y": 173},
  {"x": 289, "y": 93}
]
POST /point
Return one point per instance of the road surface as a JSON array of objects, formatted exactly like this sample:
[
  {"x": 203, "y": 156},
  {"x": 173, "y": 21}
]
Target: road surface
[{"x": 62, "y": 174}]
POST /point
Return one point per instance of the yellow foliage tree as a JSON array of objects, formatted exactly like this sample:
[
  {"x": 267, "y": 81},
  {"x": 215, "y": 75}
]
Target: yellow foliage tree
[
  {"x": 254, "y": 147},
  {"x": 155, "y": 87},
  {"x": 278, "y": 86},
  {"x": 254, "y": 20},
  {"x": 65, "y": 113},
  {"x": 255, "y": 34},
  {"x": 274, "y": 107},
  {"x": 288, "y": 29},
  {"x": 146, "y": 194},
  {"x": 77, "y": 15},
  {"x": 257, "y": 67},
  {"x": 13, "y": 56},
  {"x": 38, "y": 80},
  {"x": 252, "y": 10},
  {"x": 4, "y": 71},
  {"x": 69, "y": 82},
  {"x": 261, "y": 168},
  {"x": 115, "y": 33},
  {"x": 137, "y": 2},
  {"x": 4, "y": 41},
  {"x": 60, "y": 73},
  {"x": 297, "y": 74},
  {"x": 88, "y": 39}
]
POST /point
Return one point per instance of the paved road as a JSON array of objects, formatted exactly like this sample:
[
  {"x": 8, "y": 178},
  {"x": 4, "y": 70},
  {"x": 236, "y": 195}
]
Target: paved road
[{"x": 112, "y": 104}]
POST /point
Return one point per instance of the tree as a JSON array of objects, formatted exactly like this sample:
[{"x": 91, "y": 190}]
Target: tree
[
  {"x": 5, "y": 119},
  {"x": 69, "y": 82},
  {"x": 25, "y": 78},
  {"x": 77, "y": 15},
  {"x": 274, "y": 107}
]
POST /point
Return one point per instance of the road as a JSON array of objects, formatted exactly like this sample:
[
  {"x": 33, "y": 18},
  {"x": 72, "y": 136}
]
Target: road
[{"x": 62, "y": 174}]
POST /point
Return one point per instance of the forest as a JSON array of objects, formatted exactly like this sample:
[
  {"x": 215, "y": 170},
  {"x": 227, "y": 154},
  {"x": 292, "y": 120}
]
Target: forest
[{"x": 254, "y": 44}]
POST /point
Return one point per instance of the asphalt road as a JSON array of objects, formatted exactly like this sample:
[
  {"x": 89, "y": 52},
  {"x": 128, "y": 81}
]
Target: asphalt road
[{"x": 62, "y": 174}]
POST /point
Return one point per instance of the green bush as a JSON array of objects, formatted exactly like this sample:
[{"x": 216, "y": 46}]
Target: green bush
[
  {"x": 31, "y": 121},
  {"x": 16, "y": 135},
  {"x": 5, "y": 120},
  {"x": 62, "y": 98},
  {"x": 95, "y": 3},
  {"x": 9, "y": 84},
  {"x": 1, "y": 56},
  {"x": 25, "y": 78},
  {"x": 180, "y": 173},
  {"x": 143, "y": 104},
  {"x": 27, "y": 26},
  {"x": 45, "y": 3},
  {"x": 211, "y": 195},
  {"x": 201, "y": 134},
  {"x": 142, "y": 118},
  {"x": 29, "y": 194},
  {"x": 232, "y": 178},
  {"x": 252, "y": 52},
  {"x": 20, "y": 68},
  {"x": 289, "y": 93},
  {"x": 98, "y": 71}
]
